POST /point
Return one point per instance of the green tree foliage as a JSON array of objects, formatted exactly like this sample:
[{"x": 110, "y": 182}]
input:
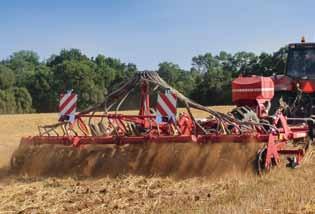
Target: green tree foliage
[
  {"x": 7, "y": 77},
  {"x": 7, "y": 102},
  {"x": 105, "y": 73},
  {"x": 13, "y": 99},
  {"x": 28, "y": 84},
  {"x": 213, "y": 86},
  {"x": 41, "y": 87},
  {"x": 79, "y": 76},
  {"x": 178, "y": 78},
  {"x": 23, "y": 63},
  {"x": 23, "y": 100}
]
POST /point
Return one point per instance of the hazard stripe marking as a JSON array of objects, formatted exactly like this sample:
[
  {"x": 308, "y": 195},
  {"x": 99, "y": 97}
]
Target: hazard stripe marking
[
  {"x": 68, "y": 103},
  {"x": 168, "y": 103},
  {"x": 160, "y": 110}
]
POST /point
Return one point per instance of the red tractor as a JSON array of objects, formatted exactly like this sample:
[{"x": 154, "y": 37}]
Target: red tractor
[{"x": 292, "y": 93}]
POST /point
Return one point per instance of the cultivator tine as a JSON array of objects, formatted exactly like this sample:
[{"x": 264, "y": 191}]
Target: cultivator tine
[
  {"x": 49, "y": 128},
  {"x": 64, "y": 131},
  {"x": 102, "y": 128},
  {"x": 94, "y": 130}
]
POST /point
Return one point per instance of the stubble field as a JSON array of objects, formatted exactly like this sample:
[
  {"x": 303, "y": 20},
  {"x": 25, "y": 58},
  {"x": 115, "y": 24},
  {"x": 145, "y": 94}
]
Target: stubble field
[{"x": 281, "y": 191}]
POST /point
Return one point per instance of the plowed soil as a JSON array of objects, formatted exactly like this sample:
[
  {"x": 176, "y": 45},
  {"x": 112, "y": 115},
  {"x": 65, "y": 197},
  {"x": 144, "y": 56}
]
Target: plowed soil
[{"x": 175, "y": 160}]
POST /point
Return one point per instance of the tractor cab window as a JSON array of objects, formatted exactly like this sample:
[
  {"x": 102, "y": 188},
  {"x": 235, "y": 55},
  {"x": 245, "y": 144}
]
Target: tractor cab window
[{"x": 301, "y": 63}]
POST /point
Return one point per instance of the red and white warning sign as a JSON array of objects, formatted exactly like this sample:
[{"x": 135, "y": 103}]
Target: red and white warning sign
[
  {"x": 166, "y": 105},
  {"x": 68, "y": 104}
]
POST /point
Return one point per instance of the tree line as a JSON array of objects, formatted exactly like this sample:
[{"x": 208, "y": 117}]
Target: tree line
[{"x": 28, "y": 84}]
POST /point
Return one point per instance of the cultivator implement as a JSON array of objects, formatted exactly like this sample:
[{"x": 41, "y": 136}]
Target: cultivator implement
[{"x": 103, "y": 140}]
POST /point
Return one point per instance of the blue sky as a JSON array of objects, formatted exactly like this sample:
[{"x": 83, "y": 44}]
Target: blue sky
[{"x": 148, "y": 32}]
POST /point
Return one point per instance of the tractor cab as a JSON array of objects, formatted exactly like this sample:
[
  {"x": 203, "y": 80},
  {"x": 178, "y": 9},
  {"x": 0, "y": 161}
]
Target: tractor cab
[
  {"x": 301, "y": 61},
  {"x": 295, "y": 91},
  {"x": 300, "y": 69}
]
